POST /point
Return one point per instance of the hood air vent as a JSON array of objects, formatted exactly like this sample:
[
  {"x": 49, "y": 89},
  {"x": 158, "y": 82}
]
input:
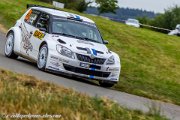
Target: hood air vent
[{"x": 61, "y": 41}]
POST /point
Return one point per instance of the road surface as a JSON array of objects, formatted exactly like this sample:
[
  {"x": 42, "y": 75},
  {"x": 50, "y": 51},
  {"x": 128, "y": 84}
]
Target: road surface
[{"x": 127, "y": 100}]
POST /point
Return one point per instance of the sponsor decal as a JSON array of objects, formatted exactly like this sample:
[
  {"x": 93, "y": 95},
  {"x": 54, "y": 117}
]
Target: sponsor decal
[
  {"x": 62, "y": 60},
  {"x": 27, "y": 46},
  {"x": 56, "y": 64},
  {"x": 53, "y": 57},
  {"x": 113, "y": 75},
  {"x": 38, "y": 34},
  {"x": 53, "y": 68},
  {"x": 113, "y": 79},
  {"x": 112, "y": 69}
]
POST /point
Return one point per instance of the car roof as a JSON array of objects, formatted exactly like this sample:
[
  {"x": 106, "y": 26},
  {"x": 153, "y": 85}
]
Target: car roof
[
  {"x": 132, "y": 19},
  {"x": 61, "y": 13}
]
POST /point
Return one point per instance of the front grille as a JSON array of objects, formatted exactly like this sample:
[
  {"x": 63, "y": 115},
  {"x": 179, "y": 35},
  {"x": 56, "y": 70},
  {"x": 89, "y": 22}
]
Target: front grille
[
  {"x": 85, "y": 58},
  {"x": 86, "y": 71}
]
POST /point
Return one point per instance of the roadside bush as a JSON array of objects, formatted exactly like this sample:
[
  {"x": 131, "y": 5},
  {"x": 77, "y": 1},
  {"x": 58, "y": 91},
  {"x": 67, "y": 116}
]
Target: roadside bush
[{"x": 168, "y": 20}]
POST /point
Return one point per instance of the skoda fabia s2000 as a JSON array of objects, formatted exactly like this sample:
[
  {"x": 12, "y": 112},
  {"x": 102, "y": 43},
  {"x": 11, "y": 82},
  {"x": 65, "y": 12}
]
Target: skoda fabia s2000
[{"x": 63, "y": 42}]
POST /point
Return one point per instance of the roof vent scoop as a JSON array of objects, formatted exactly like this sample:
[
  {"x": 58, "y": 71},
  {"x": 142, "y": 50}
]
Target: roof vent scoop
[
  {"x": 61, "y": 41},
  {"x": 74, "y": 17}
]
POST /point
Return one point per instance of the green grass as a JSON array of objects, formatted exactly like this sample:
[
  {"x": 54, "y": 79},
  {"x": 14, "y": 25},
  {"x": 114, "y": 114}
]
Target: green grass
[
  {"x": 26, "y": 95},
  {"x": 150, "y": 60}
]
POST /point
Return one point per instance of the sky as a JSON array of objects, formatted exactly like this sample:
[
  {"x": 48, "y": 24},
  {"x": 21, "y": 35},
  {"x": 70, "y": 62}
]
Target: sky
[
  {"x": 157, "y": 6},
  {"x": 152, "y": 5}
]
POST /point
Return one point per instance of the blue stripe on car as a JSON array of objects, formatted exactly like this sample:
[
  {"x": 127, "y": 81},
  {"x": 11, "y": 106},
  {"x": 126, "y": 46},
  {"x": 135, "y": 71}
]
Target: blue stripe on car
[
  {"x": 93, "y": 69},
  {"x": 91, "y": 76},
  {"x": 94, "y": 52},
  {"x": 78, "y": 18}
]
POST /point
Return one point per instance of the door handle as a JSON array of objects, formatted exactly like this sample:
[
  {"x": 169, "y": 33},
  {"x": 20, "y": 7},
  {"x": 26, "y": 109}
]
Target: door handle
[{"x": 31, "y": 32}]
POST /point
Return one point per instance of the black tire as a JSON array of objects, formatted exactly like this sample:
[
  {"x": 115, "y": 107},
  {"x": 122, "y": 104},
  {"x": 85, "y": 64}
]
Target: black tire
[
  {"x": 42, "y": 56},
  {"x": 106, "y": 84},
  {"x": 10, "y": 53}
]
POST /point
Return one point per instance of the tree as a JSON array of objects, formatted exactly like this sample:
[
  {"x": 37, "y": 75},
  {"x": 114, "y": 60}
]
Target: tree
[
  {"x": 79, "y": 5},
  {"x": 169, "y": 19},
  {"x": 143, "y": 20},
  {"x": 82, "y": 5},
  {"x": 106, "y": 6}
]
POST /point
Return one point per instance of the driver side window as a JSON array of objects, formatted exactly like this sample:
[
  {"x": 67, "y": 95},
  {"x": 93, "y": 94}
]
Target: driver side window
[{"x": 43, "y": 22}]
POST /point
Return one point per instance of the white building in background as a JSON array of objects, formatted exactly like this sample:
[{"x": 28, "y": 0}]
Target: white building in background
[{"x": 58, "y": 4}]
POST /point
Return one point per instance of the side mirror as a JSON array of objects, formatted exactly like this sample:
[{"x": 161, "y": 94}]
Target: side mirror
[
  {"x": 105, "y": 42},
  {"x": 43, "y": 29}
]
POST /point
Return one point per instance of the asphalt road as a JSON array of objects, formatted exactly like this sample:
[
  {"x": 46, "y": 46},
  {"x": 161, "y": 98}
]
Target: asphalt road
[{"x": 127, "y": 100}]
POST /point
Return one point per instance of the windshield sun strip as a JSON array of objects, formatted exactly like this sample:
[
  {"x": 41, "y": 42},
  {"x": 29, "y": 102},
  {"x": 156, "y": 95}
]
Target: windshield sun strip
[{"x": 76, "y": 21}]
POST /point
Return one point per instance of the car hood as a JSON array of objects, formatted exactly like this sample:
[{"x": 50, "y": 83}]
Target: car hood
[{"x": 83, "y": 46}]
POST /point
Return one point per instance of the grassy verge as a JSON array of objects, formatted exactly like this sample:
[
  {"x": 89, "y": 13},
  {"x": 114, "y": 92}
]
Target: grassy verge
[
  {"x": 150, "y": 60},
  {"x": 27, "y": 95}
]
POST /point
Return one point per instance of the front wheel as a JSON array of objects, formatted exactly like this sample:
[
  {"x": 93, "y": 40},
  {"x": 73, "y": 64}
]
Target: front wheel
[
  {"x": 9, "y": 46},
  {"x": 106, "y": 84},
  {"x": 42, "y": 57}
]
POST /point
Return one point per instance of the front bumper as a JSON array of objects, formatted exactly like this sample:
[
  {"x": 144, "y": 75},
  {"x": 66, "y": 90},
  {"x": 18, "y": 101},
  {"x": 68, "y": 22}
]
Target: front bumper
[{"x": 59, "y": 63}]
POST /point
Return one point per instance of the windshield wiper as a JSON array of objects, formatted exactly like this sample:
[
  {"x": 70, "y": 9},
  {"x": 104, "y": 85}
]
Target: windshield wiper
[{"x": 88, "y": 39}]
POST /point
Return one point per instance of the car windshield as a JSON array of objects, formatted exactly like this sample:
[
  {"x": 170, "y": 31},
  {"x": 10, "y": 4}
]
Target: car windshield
[{"x": 76, "y": 29}]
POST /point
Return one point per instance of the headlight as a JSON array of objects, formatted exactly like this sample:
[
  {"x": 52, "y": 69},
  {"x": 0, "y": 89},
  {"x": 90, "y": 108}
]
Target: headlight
[
  {"x": 110, "y": 61},
  {"x": 65, "y": 51}
]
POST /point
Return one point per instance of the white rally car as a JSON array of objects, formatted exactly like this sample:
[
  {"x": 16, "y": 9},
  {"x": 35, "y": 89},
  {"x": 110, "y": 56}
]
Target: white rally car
[
  {"x": 132, "y": 22},
  {"x": 176, "y": 31},
  {"x": 63, "y": 42}
]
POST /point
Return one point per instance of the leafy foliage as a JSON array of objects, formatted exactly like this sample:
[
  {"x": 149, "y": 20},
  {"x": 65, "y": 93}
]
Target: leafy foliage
[
  {"x": 168, "y": 20},
  {"x": 82, "y": 6},
  {"x": 106, "y": 6},
  {"x": 143, "y": 19}
]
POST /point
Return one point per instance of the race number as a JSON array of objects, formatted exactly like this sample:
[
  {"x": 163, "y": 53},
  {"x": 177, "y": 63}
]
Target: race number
[{"x": 38, "y": 34}]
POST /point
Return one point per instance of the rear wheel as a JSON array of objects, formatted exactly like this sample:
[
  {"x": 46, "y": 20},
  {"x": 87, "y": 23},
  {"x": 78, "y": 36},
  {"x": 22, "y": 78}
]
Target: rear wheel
[
  {"x": 106, "y": 84},
  {"x": 9, "y": 46},
  {"x": 42, "y": 57}
]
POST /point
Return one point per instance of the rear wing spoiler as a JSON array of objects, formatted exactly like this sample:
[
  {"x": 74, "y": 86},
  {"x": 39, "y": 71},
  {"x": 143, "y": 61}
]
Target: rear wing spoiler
[{"x": 33, "y": 5}]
